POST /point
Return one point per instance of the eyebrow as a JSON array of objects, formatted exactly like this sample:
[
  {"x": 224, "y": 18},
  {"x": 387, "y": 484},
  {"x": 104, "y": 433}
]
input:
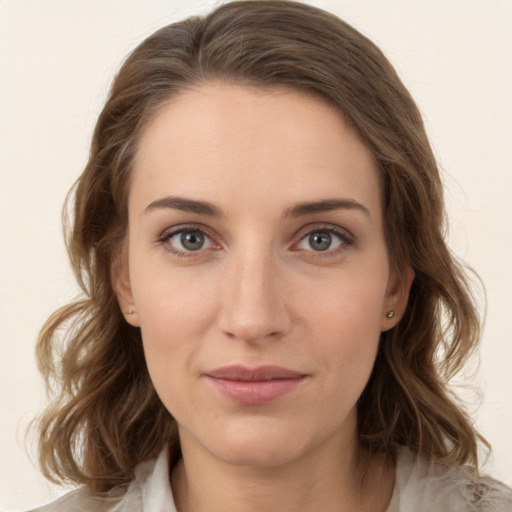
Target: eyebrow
[
  {"x": 298, "y": 210},
  {"x": 325, "y": 205},
  {"x": 185, "y": 205}
]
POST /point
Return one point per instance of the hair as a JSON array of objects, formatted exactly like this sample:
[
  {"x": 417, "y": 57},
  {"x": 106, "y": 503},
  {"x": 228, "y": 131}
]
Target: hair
[{"x": 105, "y": 416}]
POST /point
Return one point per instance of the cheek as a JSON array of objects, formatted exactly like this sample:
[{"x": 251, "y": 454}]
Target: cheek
[
  {"x": 345, "y": 320},
  {"x": 171, "y": 302},
  {"x": 347, "y": 346},
  {"x": 174, "y": 309},
  {"x": 171, "y": 342},
  {"x": 351, "y": 302}
]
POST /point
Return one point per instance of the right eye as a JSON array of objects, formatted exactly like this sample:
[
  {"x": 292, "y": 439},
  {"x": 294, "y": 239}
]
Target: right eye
[{"x": 185, "y": 241}]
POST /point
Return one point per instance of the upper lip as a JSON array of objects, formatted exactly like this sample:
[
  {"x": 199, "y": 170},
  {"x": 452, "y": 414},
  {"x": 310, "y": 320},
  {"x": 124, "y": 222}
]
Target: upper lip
[{"x": 242, "y": 373}]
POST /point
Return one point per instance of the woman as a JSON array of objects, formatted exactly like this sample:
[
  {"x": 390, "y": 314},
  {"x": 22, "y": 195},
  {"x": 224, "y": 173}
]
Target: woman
[{"x": 258, "y": 235}]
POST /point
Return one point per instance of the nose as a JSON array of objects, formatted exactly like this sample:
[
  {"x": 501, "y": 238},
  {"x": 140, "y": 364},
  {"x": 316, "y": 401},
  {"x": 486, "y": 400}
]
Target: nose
[{"x": 253, "y": 299}]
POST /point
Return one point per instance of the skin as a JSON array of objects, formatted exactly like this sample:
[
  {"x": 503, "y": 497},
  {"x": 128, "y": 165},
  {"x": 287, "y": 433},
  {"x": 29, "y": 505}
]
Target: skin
[{"x": 261, "y": 291}]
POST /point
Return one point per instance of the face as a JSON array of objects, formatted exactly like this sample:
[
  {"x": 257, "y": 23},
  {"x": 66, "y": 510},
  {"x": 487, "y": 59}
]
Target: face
[{"x": 257, "y": 266}]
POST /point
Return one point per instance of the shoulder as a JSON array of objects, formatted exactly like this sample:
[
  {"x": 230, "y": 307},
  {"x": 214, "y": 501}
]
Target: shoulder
[
  {"x": 424, "y": 487},
  {"x": 79, "y": 500},
  {"x": 149, "y": 491}
]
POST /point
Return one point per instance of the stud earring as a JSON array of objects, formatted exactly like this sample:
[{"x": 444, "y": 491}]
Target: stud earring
[
  {"x": 391, "y": 313},
  {"x": 130, "y": 312}
]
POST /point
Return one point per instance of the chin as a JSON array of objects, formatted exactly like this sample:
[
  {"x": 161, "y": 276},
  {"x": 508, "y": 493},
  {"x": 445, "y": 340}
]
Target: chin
[
  {"x": 257, "y": 454},
  {"x": 259, "y": 444}
]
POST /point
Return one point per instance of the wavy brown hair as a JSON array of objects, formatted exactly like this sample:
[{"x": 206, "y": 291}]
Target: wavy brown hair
[{"x": 105, "y": 416}]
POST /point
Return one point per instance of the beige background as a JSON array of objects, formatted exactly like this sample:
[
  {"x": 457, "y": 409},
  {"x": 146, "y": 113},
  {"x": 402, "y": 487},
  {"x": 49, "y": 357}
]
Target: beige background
[{"x": 56, "y": 61}]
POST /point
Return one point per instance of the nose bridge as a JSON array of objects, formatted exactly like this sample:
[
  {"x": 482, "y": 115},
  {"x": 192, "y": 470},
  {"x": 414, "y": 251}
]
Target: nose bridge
[{"x": 252, "y": 305}]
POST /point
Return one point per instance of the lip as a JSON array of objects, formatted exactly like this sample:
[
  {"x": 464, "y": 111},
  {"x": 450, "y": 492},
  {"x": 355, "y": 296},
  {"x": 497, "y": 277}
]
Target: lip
[{"x": 254, "y": 386}]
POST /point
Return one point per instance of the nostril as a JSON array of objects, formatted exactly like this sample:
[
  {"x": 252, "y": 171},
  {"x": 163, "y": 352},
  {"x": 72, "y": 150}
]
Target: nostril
[{"x": 249, "y": 336}]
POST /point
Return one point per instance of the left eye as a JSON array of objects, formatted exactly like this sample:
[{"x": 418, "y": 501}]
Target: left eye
[
  {"x": 321, "y": 240},
  {"x": 188, "y": 240}
]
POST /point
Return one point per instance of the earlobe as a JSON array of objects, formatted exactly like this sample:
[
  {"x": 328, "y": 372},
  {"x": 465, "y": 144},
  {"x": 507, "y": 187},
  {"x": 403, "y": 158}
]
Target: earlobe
[
  {"x": 120, "y": 279},
  {"x": 397, "y": 297}
]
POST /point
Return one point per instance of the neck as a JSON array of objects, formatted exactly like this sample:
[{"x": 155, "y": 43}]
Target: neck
[{"x": 330, "y": 480}]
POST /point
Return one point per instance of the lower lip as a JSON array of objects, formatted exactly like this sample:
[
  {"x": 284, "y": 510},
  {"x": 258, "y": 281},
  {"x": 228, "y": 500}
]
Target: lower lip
[{"x": 255, "y": 392}]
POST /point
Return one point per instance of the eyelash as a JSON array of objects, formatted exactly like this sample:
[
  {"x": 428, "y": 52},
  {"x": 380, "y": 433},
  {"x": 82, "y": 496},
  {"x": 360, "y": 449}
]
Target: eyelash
[
  {"x": 346, "y": 239},
  {"x": 168, "y": 234}
]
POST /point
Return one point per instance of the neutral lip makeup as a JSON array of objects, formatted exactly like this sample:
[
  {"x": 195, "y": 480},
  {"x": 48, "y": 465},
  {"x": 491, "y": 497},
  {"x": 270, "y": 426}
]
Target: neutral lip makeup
[{"x": 254, "y": 386}]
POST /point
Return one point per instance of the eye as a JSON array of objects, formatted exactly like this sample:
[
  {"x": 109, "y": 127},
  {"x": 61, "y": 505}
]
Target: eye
[
  {"x": 324, "y": 240},
  {"x": 320, "y": 241},
  {"x": 186, "y": 240}
]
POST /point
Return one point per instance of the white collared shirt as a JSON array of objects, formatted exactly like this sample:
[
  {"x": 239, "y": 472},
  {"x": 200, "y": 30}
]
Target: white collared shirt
[{"x": 419, "y": 487}]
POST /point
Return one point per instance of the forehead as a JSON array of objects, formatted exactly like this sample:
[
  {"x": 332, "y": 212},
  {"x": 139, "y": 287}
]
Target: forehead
[{"x": 238, "y": 143}]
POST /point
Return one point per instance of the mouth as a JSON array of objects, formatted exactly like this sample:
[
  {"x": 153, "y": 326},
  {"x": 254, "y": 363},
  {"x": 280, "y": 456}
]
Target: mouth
[{"x": 254, "y": 386}]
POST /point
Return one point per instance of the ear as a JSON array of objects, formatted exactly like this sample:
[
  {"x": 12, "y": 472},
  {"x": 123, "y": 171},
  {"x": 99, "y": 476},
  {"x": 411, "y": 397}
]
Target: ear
[
  {"x": 397, "y": 296},
  {"x": 120, "y": 279}
]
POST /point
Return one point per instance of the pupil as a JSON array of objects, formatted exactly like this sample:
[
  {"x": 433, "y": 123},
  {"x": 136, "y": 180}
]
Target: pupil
[
  {"x": 192, "y": 241},
  {"x": 320, "y": 241}
]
